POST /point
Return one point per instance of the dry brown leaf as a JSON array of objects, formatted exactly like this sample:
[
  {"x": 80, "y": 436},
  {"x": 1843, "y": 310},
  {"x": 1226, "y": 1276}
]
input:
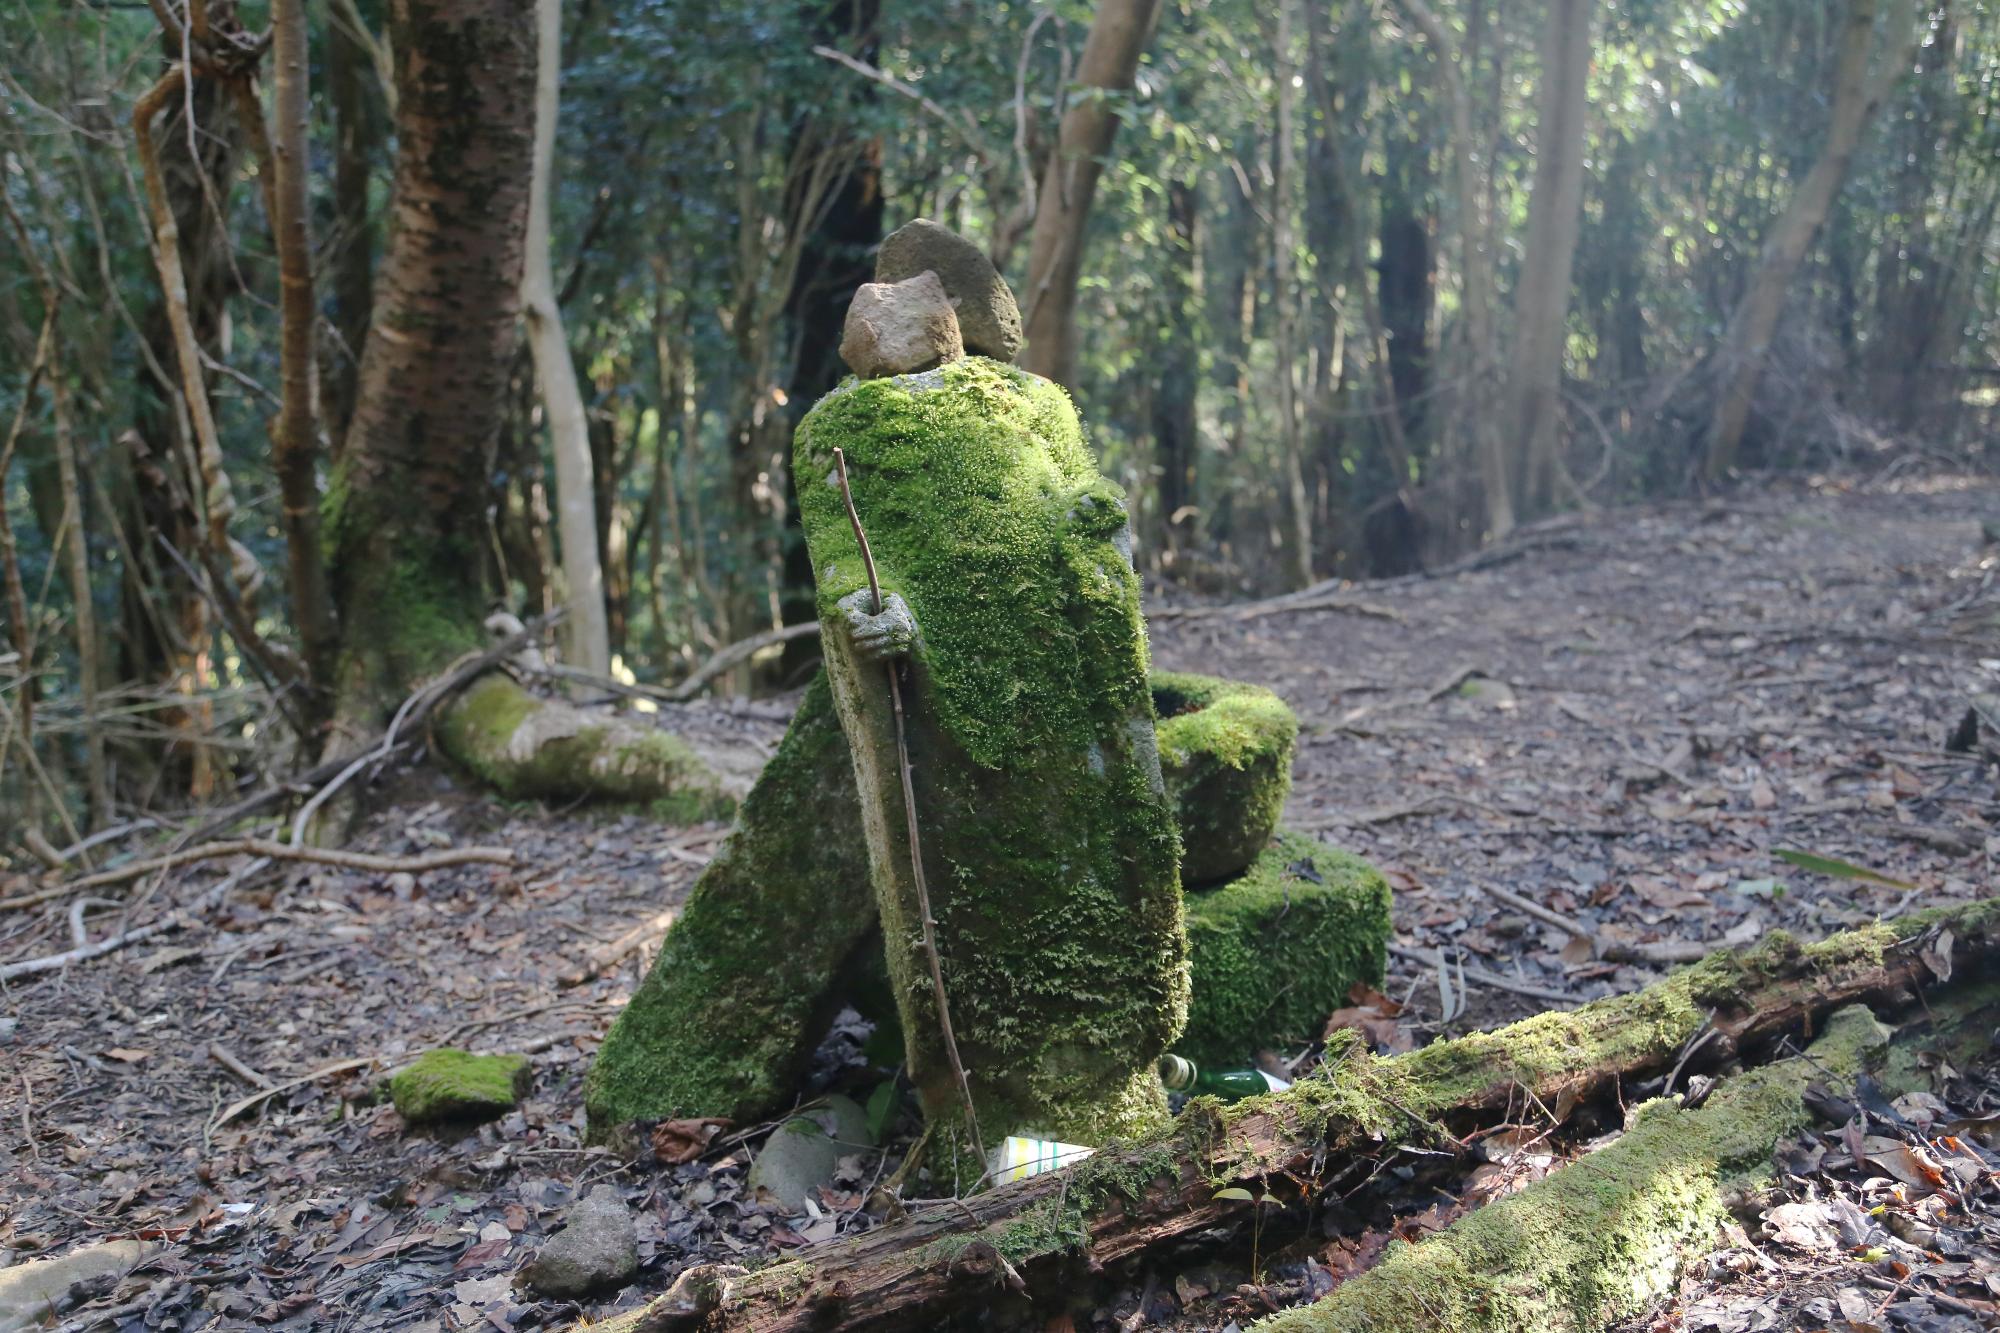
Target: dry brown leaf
[{"x": 679, "y": 1141}]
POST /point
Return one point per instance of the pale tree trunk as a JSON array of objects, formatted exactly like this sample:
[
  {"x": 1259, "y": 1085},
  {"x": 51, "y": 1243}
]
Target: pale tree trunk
[
  {"x": 406, "y": 517},
  {"x": 76, "y": 548},
  {"x": 1284, "y": 166},
  {"x": 296, "y": 439},
  {"x": 1476, "y": 272},
  {"x": 1118, "y": 37},
  {"x": 1541, "y": 302},
  {"x": 1858, "y": 94},
  {"x": 588, "y": 633}
]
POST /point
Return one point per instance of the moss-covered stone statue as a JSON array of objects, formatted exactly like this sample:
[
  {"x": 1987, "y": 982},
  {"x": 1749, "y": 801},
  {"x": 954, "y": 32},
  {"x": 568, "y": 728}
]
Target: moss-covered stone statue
[{"x": 1012, "y": 614}]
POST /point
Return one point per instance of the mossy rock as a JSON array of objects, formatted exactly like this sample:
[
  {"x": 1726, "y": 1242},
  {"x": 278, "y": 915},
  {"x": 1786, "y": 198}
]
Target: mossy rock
[
  {"x": 525, "y": 746},
  {"x": 744, "y": 985},
  {"x": 1049, "y": 842},
  {"x": 1274, "y": 951},
  {"x": 448, "y": 1084},
  {"x": 1226, "y": 755}
]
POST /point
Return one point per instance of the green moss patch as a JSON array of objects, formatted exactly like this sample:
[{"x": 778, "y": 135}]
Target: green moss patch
[
  {"x": 1274, "y": 951},
  {"x": 449, "y": 1084},
  {"x": 1226, "y": 755},
  {"x": 744, "y": 985}
]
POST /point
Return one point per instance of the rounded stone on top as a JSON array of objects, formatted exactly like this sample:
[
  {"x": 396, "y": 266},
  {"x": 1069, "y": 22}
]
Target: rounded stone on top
[
  {"x": 988, "y": 318},
  {"x": 895, "y": 328}
]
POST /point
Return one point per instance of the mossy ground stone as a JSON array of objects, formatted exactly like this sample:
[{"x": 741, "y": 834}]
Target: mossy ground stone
[
  {"x": 449, "y": 1084},
  {"x": 525, "y": 746},
  {"x": 1226, "y": 754},
  {"x": 1274, "y": 951}
]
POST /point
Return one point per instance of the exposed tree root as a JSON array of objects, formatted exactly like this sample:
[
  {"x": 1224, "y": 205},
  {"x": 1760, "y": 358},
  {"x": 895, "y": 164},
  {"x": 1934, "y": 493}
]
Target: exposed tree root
[{"x": 1170, "y": 1186}]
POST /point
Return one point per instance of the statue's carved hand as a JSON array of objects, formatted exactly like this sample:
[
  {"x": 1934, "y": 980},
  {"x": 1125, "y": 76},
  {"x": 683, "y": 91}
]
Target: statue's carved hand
[{"x": 879, "y": 638}]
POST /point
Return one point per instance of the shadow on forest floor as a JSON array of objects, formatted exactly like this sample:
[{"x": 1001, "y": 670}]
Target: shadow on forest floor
[{"x": 1621, "y": 726}]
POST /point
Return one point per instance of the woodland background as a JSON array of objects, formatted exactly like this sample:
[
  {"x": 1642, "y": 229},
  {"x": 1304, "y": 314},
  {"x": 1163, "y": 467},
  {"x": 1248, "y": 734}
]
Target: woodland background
[{"x": 1361, "y": 284}]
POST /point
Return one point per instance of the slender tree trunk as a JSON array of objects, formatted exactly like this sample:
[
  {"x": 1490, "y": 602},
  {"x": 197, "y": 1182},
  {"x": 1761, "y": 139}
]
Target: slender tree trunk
[
  {"x": 1110, "y": 62},
  {"x": 83, "y": 611},
  {"x": 1179, "y": 371},
  {"x": 357, "y": 134},
  {"x": 1476, "y": 274},
  {"x": 1284, "y": 300},
  {"x": 1858, "y": 94},
  {"x": 407, "y": 512},
  {"x": 297, "y": 435},
  {"x": 1533, "y": 404},
  {"x": 586, "y": 627}
]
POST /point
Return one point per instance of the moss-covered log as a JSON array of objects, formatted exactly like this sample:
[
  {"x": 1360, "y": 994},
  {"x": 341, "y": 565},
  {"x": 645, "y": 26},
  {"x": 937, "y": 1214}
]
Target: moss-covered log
[
  {"x": 1167, "y": 1185},
  {"x": 523, "y": 745},
  {"x": 1048, "y": 841},
  {"x": 1226, "y": 755},
  {"x": 744, "y": 985},
  {"x": 1606, "y": 1235},
  {"x": 1275, "y": 950}
]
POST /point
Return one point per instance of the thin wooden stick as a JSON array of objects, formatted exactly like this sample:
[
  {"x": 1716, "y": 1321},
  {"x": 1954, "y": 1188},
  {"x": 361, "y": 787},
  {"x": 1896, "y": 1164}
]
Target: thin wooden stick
[
  {"x": 280, "y": 851},
  {"x": 235, "y": 1109},
  {"x": 910, "y": 820}
]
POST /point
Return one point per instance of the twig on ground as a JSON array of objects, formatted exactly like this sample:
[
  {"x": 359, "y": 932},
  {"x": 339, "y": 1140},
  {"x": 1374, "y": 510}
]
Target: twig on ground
[
  {"x": 1547, "y": 915},
  {"x": 35, "y": 966},
  {"x": 1480, "y": 976},
  {"x": 222, "y": 1056},
  {"x": 279, "y": 851},
  {"x": 236, "y": 1108},
  {"x": 466, "y": 1029},
  {"x": 604, "y": 958}
]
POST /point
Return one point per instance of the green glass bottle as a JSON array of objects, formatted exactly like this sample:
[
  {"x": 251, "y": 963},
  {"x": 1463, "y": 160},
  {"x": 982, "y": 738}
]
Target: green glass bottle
[{"x": 1180, "y": 1074}]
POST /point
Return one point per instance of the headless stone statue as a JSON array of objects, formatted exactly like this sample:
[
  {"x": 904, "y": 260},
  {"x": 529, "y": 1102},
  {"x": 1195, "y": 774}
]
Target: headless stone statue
[{"x": 1011, "y": 612}]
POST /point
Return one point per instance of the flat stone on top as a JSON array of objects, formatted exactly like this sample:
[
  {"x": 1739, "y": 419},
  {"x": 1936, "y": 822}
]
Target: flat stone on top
[
  {"x": 894, "y": 328},
  {"x": 988, "y": 318}
]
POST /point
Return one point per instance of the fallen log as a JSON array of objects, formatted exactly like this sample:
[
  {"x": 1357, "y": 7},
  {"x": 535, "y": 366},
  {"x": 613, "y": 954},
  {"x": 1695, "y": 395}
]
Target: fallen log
[
  {"x": 1609, "y": 1234},
  {"x": 1211, "y": 1167}
]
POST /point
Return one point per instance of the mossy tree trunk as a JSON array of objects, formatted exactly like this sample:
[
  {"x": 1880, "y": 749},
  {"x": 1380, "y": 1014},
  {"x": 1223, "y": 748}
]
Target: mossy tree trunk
[
  {"x": 1049, "y": 842},
  {"x": 406, "y": 512}
]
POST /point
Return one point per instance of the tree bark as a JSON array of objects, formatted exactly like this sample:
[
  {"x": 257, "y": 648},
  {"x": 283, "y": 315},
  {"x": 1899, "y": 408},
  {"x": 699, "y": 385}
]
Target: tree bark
[
  {"x": 1179, "y": 372},
  {"x": 297, "y": 435},
  {"x": 1858, "y": 93},
  {"x": 357, "y": 135},
  {"x": 1288, "y": 1148},
  {"x": 1541, "y": 300},
  {"x": 1284, "y": 302},
  {"x": 587, "y": 631},
  {"x": 1476, "y": 273},
  {"x": 407, "y": 511},
  {"x": 1110, "y": 63}
]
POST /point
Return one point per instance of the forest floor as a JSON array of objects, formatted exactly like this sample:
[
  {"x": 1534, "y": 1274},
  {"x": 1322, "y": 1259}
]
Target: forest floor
[{"x": 1621, "y": 719}]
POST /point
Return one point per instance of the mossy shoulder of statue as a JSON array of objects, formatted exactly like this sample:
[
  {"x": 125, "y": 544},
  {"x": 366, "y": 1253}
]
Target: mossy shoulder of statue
[
  {"x": 1226, "y": 755},
  {"x": 963, "y": 518}
]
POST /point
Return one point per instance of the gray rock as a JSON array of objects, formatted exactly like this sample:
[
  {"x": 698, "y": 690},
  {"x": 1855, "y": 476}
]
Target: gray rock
[
  {"x": 988, "y": 318},
  {"x": 30, "y": 1293},
  {"x": 894, "y": 328},
  {"x": 796, "y": 1161},
  {"x": 846, "y": 1123},
  {"x": 597, "y": 1251}
]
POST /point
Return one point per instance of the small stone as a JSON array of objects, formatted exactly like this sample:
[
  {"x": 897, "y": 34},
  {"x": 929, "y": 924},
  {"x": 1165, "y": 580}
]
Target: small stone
[
  {"x": 895, "y": 328},
  {"x": 988, "y": 318},
  {"x": 456, "y": 1085},
  {"x": 796, "y": 1161},
  {"x": 598, "y": 1250},
  {"x": 30, "y": 1292}
]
